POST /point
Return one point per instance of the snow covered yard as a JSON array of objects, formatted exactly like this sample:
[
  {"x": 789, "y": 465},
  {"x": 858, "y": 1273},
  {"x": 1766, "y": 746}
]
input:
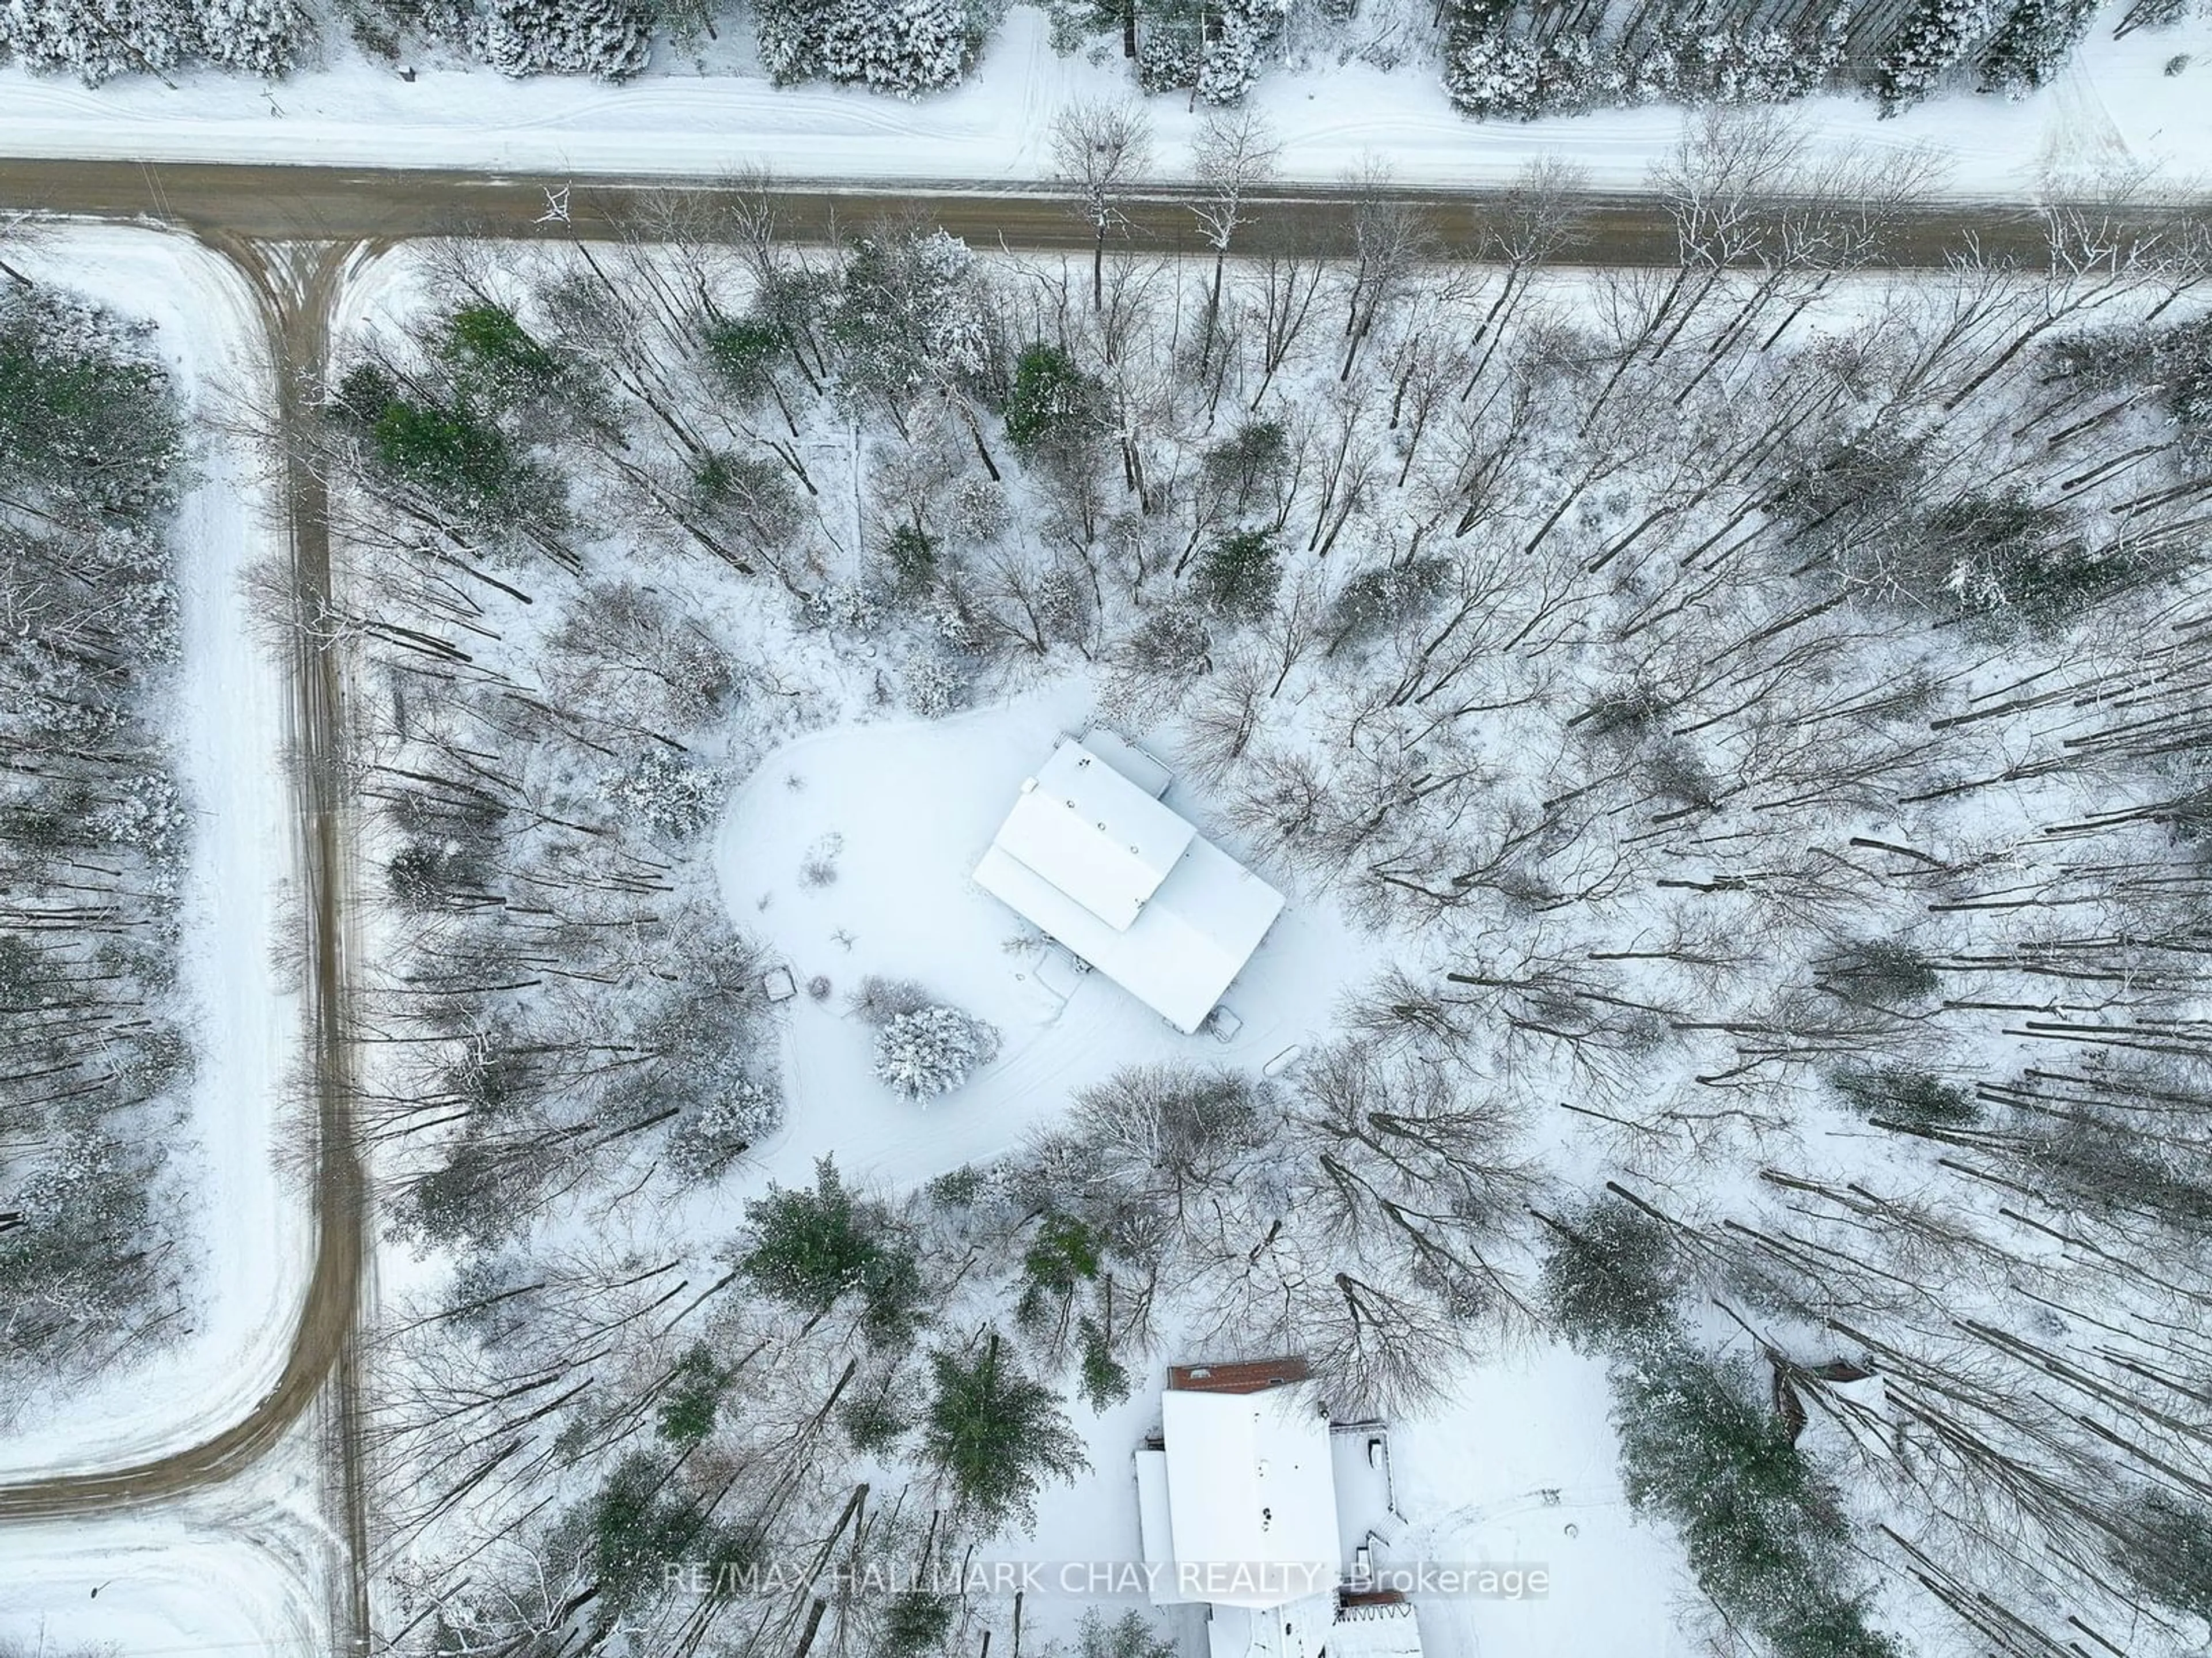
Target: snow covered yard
[
  {"x": 244, "y": 1225},
  {"x": 1518, "y": 1471},
  {"x": 849, "y": 851}
]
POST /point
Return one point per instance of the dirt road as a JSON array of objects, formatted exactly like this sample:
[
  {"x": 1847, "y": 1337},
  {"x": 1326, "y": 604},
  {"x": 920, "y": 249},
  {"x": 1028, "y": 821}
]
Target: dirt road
[{"x": 309, "y": 203}]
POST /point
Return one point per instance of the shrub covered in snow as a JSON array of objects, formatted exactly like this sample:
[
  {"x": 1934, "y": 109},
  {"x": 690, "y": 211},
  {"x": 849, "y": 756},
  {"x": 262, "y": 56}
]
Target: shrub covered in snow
[
  {"x": 977, "y": 513},
  {"x": 1052, "y": 398},
  {"x": 255, "y": 36},
  {"x": 98, "y": 41},
  {"x": 76, "y": 1261},
  {"x": 708, "y": 1142},
  {"x": 2032, "y": 43},
  {"x": 1171, "y": 48},
  {"x": 1612, "y": 1278},
  {"x": 911, "y": 312},
  {"x": 1695, "y": 64},
  {"x": 1172, "y": 640},
  {"x": 1230, "y": 66},
  {"x": 932, "y": 1051},
  {"x": 1213, "y": 47},
  {"x": 668, "y": 793},
  {"x": 608, "y": 39},
  {"x": 98, "y": 44},
  {"x": 1236, "y": 577},
  {"x": 843, "y": 607},
  {"x": 1375, "y": 601},
  {"x": 877, "y": 1000},
  {"x": 149, "y": 815},
  {"x": 936, "y": 683},
  {"x": 1935, "y": 38},
  {"x": 1492, "y": 73},
  {"x": 1231, "y": 63},
  {"x": 87, "y": 406},
  {"x": 903, "y": 47}
]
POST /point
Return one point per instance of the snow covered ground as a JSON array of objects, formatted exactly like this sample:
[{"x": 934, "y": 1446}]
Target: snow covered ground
[
  {"x": 2114, "y": 107},
  {"x": 190, "y": 1579},
  {"x": 1517, "y": 1471},
  {"x": 248, "y": 1225},
  {"x": 909, "y": 808}
]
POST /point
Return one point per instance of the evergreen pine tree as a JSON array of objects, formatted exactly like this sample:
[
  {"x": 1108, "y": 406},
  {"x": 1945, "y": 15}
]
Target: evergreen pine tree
[
  {"x": 1237, "y": 577},
  {"x": 2032, "y": 43},
  {"x": 808, "y": 1249},
  {"x": 994, "y": 1435},
  {"x": 611, "y": 39}
]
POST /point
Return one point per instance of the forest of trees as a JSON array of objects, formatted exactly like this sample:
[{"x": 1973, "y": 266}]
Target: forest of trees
[
  {"x": 1758, "y": 699},
  {"x": 94, "y": 831},
  {"x": 1504, "y": 59},
  {"x": 1498, "y": 59}
]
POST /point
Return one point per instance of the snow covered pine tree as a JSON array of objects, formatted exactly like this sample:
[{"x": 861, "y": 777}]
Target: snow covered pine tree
[
  {"x": 904, "y": 47},
  {"x": 608, "y": 39},
  {"x": 932, "y": 1051}
]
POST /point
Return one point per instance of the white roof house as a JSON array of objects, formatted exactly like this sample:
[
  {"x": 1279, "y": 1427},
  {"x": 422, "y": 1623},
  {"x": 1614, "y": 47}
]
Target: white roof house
[
  {"x": 1242, "y": 1505},
  {"x": 1236, "y": 1508},
  {"x": 1097, "y": 863}
]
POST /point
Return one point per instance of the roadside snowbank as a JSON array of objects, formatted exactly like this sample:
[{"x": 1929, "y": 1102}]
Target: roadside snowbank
[
  {"x": 248, "y": 1225},
  {"x": 2114, "y": 107}
]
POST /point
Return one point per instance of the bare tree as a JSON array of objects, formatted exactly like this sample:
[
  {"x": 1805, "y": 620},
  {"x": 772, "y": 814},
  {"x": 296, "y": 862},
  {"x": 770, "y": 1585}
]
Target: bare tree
[
  {"x": 1538, "y": 220},
  {"x": 1100, "y": 148},
  {"x": 1233, "y": 154},
  {"x": 1391, "y": 243}
]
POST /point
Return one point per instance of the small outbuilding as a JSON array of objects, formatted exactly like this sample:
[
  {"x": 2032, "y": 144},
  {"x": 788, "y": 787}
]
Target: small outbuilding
[{"x": 1091, "y": 856}]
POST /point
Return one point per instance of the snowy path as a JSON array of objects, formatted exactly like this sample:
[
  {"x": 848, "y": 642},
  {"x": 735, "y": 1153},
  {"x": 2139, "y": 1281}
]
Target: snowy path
[
  {"x": 2116, "y": 103},
  {"x": 248, "y": 1222}
]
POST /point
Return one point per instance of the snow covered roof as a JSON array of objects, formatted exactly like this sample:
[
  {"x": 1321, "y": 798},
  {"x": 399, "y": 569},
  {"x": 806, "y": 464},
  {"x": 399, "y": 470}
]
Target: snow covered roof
[
  {"x": 1250, "y": 1506},
  {"x": 1132, "y": 761},
  {"x": 1094, "y": 835},
  {"x": 1301, "y": 1630},
  {"x": 1155, "y": 1526},
  {"x": 1128, "y": 886}
]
